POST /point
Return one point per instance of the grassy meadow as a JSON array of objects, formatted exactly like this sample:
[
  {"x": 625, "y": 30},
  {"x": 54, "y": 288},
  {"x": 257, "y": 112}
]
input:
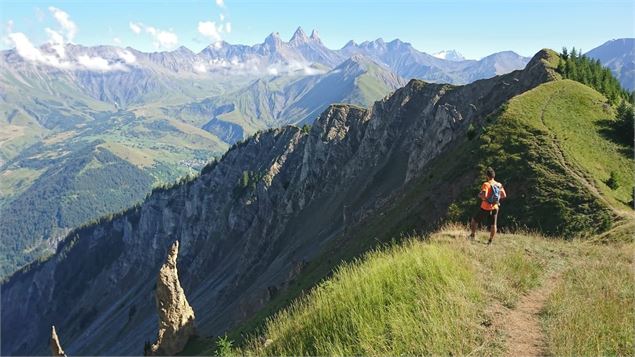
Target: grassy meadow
[{"x": 445, "y": 295}]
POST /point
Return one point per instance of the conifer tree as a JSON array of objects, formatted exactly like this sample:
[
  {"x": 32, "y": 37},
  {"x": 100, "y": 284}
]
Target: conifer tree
[{"x": 578, "y": 67}]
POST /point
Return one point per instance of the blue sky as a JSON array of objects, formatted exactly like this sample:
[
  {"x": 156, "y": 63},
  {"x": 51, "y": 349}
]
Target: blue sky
[{"x": 474, "y": 28}]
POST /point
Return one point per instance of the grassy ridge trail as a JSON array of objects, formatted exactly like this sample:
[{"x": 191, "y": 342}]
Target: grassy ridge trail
[
  {"x": 525, "y": 336},
  {"x": 523, "y": 295}
]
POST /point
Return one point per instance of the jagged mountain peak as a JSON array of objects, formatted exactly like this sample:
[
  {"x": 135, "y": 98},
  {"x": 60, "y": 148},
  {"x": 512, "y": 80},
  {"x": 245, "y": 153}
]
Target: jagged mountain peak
[
  {"x": 184, "y": 50},
  {"x": 273, "y": 39},
  {"x": 378, "y": 44},
  {"x": 350, "y": 44},
  {"x": 299, "y": 37},
  {"x": 397, "y": 42},
  {"x": 315, "y": 36}
]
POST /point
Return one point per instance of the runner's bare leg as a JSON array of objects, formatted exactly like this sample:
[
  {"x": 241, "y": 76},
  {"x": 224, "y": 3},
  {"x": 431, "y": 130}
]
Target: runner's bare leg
[{"x": 473, "y": 228}]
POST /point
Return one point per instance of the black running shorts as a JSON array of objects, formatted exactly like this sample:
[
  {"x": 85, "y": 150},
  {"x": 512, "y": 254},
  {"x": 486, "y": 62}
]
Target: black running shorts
[{"x": 486, "y": 217}]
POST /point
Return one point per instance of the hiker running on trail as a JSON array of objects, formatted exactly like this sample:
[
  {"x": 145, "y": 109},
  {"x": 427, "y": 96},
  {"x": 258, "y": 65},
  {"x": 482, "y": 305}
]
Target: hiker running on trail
[{"x": 491, "y": 193}]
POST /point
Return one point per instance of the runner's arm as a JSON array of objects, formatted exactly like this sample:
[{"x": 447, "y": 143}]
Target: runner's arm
[{"x": 483, "y": 194}]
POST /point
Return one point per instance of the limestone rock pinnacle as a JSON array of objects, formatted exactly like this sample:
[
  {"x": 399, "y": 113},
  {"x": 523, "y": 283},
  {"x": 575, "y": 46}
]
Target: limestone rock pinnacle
[
  {"x": 56, "y": 348},
  {"x": 176, "y": 317}
]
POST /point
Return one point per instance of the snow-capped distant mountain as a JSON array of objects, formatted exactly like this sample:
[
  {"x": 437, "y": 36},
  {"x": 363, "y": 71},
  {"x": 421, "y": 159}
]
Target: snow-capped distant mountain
[{"x": 450, "y": 55}]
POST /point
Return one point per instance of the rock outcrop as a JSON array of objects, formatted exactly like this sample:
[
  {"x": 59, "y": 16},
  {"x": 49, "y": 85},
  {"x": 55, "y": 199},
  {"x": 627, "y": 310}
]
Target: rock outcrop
[
  {"x": 56, "y": 347},
  {"x": 176, "y": 317}
]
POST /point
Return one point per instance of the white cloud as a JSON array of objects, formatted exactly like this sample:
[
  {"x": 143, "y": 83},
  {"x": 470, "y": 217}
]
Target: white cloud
[
  {"x": 116, "y": 40},
  {"x": 136, "y": 28},
  {"x": 54, "y": 36},
  {"x": 166, "y": 39},
  {"x": 127, "y": 56},
  {"x": 30, "y": 53},
  {"x": 220, "y": 3},
  {"x": 99, "y": 64},
  {"x": 94, "y": 63},
  {"x": 312, "y": 71},
  {"x": 162, "y": 38},
  {"x": 222, "y": 17},
  {"x": 209, "y": 29},
  {"x": 26, "y": 50},
  {"x": 228, "y": 27},
  {"x": 57, "y": 42},
  {"x": 254, "y": 66},
  {"x": 65, "y": 21},
  {"x": 200, "y": 68},
  {"x": 293, "y": 68},
  {"x": 24, "y": 47}
]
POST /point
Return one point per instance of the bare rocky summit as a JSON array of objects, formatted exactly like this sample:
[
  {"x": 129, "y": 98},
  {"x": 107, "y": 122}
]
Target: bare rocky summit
[{"x": 176, "y": 317}]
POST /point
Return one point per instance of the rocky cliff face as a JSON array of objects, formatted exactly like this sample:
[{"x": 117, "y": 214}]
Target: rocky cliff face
[
  {"x": 248, "y": 223},
  {"x": 176, "y": 317}
]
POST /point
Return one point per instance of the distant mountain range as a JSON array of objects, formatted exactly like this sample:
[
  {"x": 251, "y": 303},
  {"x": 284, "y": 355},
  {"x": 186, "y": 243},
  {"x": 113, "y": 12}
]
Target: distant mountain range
[
  {"x": 73, "y": 116},
  {"x": 278, "y": 100},
  {"x": 301, "y": 55}
]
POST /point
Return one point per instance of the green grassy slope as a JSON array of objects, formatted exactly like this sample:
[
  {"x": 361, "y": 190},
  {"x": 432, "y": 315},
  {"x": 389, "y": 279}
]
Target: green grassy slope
[
  {"x": 591, "y": 311},
  {"x": 385, "y": 304},
  {"x": 573, "y": 114},
  {"x": 548, "y": 148},
  {"x": 445, "y": 295}
]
